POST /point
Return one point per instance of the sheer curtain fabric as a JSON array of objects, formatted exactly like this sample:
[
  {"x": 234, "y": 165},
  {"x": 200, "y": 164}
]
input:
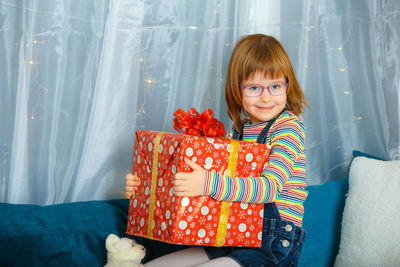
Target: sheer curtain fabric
[{"x": 77, "y": 78}]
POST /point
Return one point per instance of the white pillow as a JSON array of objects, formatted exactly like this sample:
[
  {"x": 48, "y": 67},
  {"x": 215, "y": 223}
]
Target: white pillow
[{"x": 371, "y": 217}]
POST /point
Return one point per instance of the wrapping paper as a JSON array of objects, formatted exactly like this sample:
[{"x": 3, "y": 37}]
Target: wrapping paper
[{"x": 156, "y": 213}]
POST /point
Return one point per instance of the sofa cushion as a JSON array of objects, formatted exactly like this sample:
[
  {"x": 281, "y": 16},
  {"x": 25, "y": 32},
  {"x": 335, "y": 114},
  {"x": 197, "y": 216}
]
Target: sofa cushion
[
  {"x": 322, "y": 221},
  {"x": 371, "y": 216},
  {"x": 71, "y": 234}
]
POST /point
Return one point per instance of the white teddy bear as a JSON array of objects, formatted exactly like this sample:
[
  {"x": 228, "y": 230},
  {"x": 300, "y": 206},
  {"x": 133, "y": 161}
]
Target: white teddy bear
[{"x": 123, "y": 252}]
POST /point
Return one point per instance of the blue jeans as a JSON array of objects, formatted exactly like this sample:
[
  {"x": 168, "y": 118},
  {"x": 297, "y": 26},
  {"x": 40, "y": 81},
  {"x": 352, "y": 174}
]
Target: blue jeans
[{"x": 282, "y": 242}]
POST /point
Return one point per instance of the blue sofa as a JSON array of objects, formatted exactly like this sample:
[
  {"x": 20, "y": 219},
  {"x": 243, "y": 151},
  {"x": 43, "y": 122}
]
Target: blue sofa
[{"x": 73, "y": 234}]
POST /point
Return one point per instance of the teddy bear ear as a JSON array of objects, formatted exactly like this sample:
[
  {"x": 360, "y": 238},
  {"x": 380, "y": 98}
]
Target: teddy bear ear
[{"x": 110, "y": 241}]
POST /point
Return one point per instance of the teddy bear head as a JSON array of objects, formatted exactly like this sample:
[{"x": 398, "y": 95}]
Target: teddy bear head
[{"x": 124, "y": 249}]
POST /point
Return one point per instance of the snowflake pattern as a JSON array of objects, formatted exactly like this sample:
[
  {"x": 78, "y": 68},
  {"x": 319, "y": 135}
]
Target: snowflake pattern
[
  {"x": 179, "y": 235},
  {"x": 218, "y": 162},
  {"x": 228, "y": 235},
  {"x": 181, "y": 212},
  {"x": 242, "y": 215},
  {"x": 246, "y": 168},
  {"x": 202, "y": 220},
  {"x": 240, "y": 237}
]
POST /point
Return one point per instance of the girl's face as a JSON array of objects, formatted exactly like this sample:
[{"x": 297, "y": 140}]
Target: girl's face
[{"x": 264, "y": 107}]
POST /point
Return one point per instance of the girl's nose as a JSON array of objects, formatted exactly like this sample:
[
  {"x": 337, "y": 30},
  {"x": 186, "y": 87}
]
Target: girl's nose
[{"x": 265, "y": 96}]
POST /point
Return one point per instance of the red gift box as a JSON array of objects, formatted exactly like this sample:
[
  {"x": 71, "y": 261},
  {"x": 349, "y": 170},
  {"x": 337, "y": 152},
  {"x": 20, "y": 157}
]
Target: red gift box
[{"x": 156, "y": 213}]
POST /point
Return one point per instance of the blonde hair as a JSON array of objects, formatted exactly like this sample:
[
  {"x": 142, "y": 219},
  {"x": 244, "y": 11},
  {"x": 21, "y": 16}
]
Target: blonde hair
[{"x": 259, "y": 52}]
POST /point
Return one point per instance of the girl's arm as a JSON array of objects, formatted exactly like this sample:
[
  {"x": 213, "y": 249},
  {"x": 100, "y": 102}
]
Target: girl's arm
[{"x": 287, "y": 144}]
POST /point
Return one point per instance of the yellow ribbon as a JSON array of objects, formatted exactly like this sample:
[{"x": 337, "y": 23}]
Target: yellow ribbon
[
  {"x": 150, "y": 221},
  {"x": 225, "y": 205}
]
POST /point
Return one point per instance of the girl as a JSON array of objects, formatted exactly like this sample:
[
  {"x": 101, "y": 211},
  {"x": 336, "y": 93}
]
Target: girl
[{"x": 264, "y": 101}]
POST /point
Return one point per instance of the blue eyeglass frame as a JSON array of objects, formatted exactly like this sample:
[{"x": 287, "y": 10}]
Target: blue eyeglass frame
[{"x": 263, "y": 88}]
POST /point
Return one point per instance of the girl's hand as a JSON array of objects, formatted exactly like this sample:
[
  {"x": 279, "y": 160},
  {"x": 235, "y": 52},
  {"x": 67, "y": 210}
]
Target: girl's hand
[
  {"x": 190, "y": 184},
  {"x": 131, "y": 184}
]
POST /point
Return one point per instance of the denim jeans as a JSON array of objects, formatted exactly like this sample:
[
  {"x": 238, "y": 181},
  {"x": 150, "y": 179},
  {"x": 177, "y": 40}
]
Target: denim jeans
[{"x": 282, "y": 242}]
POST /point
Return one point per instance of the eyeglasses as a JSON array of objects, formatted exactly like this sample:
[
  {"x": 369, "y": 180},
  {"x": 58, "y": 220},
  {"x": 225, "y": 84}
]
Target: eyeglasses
[{"x": 257, "y": 90}]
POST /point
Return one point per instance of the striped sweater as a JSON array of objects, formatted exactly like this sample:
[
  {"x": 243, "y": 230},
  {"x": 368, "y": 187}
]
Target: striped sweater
[{"x": 283, "y": 178}]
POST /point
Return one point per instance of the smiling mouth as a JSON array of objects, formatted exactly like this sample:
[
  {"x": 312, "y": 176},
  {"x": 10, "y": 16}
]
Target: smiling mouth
[{"x": 265, "y": 108}]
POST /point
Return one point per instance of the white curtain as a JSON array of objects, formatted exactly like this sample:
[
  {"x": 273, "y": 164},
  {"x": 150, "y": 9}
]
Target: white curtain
[{"x": 77, "y": 78}]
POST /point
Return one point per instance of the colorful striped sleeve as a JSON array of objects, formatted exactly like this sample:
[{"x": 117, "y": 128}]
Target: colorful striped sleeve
[{"x": 287, "y": 143}]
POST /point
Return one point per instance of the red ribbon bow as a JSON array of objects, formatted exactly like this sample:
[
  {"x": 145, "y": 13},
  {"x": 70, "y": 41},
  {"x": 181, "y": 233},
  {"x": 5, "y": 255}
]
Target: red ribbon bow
[{"x": 193, "y": 123}]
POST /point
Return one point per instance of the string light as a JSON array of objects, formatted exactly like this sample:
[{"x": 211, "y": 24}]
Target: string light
[
  {"x": 150, "y": 82},
  {"x": 141, "y": 110},
  {"x": 346, "y": 92},
  {"x": 141, "y": 59},
  {"x": 39, "y": 42},
  {"x": 227, "y": 44},
  {"x": 342, "y": 69},
  {"x": 340, "y": 48}
]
